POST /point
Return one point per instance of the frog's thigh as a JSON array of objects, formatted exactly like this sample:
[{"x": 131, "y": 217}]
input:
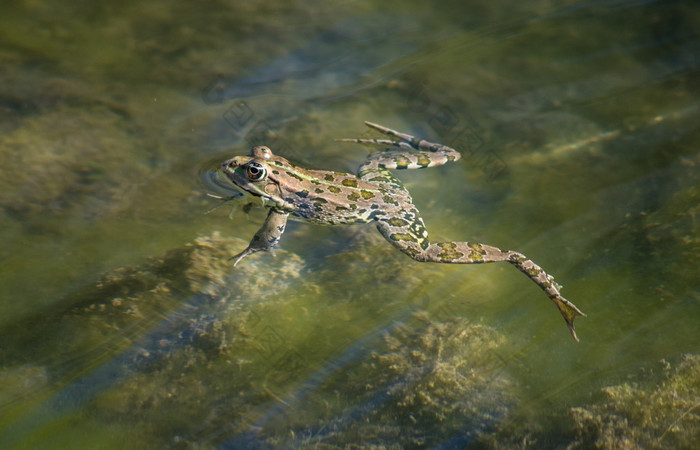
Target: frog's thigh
[{"x": 407, "y": 233}]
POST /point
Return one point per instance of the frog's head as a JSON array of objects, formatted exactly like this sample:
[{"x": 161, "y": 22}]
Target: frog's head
[{"x": 257, "y": 175}]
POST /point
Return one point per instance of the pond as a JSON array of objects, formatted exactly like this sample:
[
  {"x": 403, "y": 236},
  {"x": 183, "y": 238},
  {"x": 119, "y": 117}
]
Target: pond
[{"x": 124, "y": 324}]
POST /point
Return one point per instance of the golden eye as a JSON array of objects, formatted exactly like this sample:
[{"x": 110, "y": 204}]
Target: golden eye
[{"x": 255, "y": 171}]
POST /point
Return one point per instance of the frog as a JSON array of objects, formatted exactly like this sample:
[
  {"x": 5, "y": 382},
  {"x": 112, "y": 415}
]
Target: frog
[{"x": 372, "y": 195}]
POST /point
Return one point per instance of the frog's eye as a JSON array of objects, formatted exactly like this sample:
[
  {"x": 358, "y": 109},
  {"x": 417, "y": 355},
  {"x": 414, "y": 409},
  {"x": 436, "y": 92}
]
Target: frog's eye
[{"x": 255, "y": 171}]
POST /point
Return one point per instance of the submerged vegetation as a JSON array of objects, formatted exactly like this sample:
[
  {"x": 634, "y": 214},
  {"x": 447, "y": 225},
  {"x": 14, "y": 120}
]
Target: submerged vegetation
[
  {"x": 229, "y": 370},
  {"x": 645, "y": 414}
]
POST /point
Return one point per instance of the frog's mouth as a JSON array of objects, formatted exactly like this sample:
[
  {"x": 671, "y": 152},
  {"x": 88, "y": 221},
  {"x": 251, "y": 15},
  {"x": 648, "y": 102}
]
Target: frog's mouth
[{"x": 221, "y": 185}]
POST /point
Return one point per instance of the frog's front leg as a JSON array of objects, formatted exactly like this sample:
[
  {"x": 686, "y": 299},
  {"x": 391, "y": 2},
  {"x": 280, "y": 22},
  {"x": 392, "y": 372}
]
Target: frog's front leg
[
  {"x": 267, "y": 236},
  {"x": 413, "y": 241}
]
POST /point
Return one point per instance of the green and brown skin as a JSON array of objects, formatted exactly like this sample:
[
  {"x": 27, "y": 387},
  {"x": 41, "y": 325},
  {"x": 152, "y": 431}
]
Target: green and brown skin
[{"x": 373, "y": 195}]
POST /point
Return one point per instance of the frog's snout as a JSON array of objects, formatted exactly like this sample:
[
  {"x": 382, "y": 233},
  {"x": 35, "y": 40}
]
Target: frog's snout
[{"x": 229, "y": 164}]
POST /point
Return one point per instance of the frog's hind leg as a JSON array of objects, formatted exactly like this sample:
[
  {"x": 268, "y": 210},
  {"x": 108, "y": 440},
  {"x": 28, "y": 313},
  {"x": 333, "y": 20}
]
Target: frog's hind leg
[
  {"x": 412, "y": 239},
  {"x": 404, "y": 140},
  {"x": 405, "y": 152}
]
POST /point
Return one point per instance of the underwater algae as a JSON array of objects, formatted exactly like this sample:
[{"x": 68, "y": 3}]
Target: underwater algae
[
  {"x": 426, "y": 382},
  {"x": 122, "y": 329},
  {"x": 645, "y": 415}
]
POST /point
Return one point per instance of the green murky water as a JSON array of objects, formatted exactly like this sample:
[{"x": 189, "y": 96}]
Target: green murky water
[{"x": 123, "y": 325}]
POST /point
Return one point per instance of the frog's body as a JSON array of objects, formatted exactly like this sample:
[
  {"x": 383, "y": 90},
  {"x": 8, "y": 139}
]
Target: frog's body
[{"x": 374, "y": 195}]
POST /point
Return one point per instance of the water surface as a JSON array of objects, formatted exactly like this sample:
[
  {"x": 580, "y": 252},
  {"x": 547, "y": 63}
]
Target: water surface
[{"x": 124, "y": 325}]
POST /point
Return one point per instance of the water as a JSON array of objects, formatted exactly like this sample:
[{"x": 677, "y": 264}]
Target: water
[{"x": 123, "y": 324}]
